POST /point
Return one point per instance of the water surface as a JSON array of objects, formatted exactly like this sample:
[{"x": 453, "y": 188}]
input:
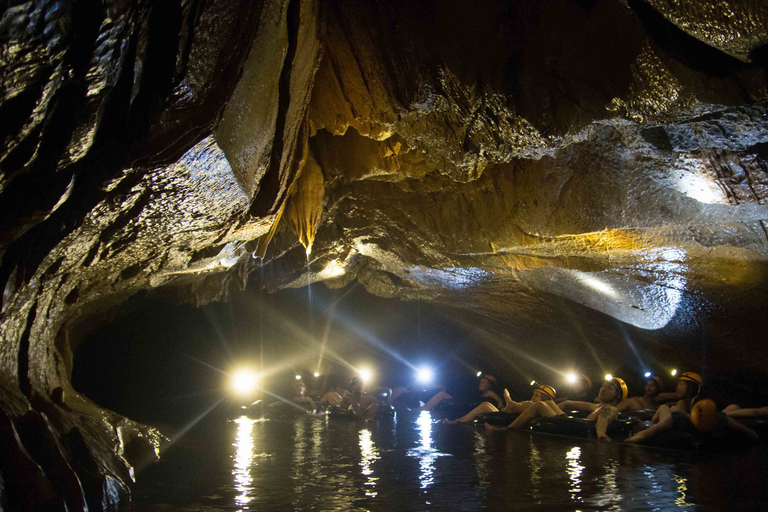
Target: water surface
[{"x": 415, "y": 463}]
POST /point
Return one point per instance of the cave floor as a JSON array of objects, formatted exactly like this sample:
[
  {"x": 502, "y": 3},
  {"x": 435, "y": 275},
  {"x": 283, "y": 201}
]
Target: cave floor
[{"x": 416, "y": 463}]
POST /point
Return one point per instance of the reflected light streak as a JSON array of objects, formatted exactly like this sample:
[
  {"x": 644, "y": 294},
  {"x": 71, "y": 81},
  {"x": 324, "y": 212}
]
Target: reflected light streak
[
  {"x": 682, "y": 488},
  {"x": 243, "y": 459},
  {"x": 574, "y": 471},
  {"x": 612, "y": 494},
  {"x": 534, "y": 462},
  {"x": 368, "y": 454},
  {"x": 424, "y": 452}
]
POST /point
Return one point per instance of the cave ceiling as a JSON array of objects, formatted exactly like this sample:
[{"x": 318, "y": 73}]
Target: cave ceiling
[
  {"x": 569, "y": 171},
  {"x": 522, "y": 161}
]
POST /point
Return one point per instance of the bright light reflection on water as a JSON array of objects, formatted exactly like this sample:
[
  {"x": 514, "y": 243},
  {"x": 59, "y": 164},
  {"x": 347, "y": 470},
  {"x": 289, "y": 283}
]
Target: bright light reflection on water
[
  {"x": 243, "y": 459},
  {"x": 314, "y": 464},
  {"x": 424, "y": 452},
  {"x": 368, "y": 454},
  {"x": 574, "y": 471}
]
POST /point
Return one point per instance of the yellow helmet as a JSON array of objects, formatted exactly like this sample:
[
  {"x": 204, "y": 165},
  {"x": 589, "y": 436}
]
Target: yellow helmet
[
  {"x": 691, "y": 377},
  {"x": 704, "y": 415},
  {"x": 546, "y": 390},
  {"x": 621, "y": 387}
]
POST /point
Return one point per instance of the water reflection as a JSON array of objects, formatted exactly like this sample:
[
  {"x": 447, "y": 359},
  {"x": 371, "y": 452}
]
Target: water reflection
[
  {"x": 368, "y": 454},
  {"x": 611, "y": 495},
  {"x": 574, "y": 471},
  {"x": 243, "y": 458},
  {"x": 534, "y": 464},
  {"x": 682, "y": 487},
  {"x": 426, "y": 454}
]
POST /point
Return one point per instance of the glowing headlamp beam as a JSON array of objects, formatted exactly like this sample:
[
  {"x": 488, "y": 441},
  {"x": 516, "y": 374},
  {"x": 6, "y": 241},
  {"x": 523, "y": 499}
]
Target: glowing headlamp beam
[{"x": 424, "y": 375}]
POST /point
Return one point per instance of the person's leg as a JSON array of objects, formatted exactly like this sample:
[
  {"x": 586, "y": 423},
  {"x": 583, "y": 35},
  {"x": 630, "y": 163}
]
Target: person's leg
[
  {"x": 331, "y": 398},
  {"x": 665, "y": 423},
  {"x": 370, "y": 413},
  {"x": 483, "y": 408},
  {"x": 536, "y": 410},
  {"x": 432, "y": 402},
  {"x": 553, "y": 407}
]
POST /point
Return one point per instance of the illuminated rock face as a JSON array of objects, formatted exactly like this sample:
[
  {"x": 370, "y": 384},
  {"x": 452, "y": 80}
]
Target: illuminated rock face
[{"x": 500, "y": 158}]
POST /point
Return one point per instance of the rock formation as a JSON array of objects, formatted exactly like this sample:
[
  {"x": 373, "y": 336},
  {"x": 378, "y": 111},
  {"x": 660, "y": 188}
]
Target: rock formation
[{"x": 497, "y": 157}]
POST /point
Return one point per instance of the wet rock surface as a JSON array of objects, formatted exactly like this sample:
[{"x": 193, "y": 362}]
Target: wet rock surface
[{"x": 499, "y": 158}]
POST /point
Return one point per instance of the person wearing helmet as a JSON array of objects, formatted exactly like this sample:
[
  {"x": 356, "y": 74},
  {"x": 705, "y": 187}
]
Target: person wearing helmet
[
  {"x": 540, "y": 393},
  {"x": 703, "y": 419},
  {"x": 603, "y": 412},
  {"x": 647, "y": 401},
  {"x": 687, "y": 387}
]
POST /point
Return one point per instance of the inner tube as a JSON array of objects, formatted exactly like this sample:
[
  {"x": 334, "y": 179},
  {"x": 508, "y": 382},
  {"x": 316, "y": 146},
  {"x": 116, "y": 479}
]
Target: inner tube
[
  {"x": 282, "y": 409},
  {"x": 580, "y": 427},
  {"x": 340, "y": 413},
  {"x": 641, "y": 414}
]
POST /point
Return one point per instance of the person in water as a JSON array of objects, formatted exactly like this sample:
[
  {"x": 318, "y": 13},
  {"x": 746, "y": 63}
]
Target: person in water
[
  {"x": 488, "y": 397},
  {"x": 687, "y": 388},
  {"x": 603, "y": 412},
  {"x": 648, "y": 400},
  {"x": 412, "y": 398},
  {"x": 363, "y": 405},
  {"x": 540, "y": 393},
  {"x": 581, "y": 390},
  {"x": 702, "y": 417},
  {"x": 300, "y": 395}
]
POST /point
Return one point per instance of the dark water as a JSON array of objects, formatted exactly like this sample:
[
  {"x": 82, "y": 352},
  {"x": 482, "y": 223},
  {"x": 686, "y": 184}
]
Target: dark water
[{"x": 415, "y": 463}]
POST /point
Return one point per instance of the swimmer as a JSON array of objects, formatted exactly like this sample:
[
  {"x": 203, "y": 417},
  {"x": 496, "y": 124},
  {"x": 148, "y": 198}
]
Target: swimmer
[
  {"x": 647, "y": 401},
  {"x": 603, "y": 412},
  {"x": 490, "y": 399},
  {"x": 540, "y": 393},
  {"x": 703, "y": 417}
]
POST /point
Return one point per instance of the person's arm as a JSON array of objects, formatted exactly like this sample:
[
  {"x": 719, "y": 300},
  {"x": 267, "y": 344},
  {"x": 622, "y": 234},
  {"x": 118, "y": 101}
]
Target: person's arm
[
  {"x": 605, "y": 417},
  {"x": 735, "y": 412},
  {"x": 499, "y": 402},
  {"x": 577, "y": 405},
  {"x": 665, "y": 397},
  {"x": 742, "y": 429}
]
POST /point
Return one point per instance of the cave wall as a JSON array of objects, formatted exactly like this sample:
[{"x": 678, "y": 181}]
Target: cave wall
[{"x": 501, "y": 158}]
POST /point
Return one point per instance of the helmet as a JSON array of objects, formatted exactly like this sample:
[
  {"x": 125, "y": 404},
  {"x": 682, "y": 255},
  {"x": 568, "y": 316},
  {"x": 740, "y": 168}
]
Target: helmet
[
  {"x": 704, "y": 415},
  {"x": 691, "y": 377},
  {"x": 546, "y": 390},
  {"x": 489, "y": 377},
  {"x": 621, "y": 387},
  {"x": 586, "y": 379}
]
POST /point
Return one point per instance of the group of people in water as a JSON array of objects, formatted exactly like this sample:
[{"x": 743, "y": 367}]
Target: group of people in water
[{"x": 688, "y": 409}]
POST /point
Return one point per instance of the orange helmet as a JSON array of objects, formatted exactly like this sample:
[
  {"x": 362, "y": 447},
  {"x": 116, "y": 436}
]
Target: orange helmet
[
  {"x": 546, "y": 390},
  {"x": 704, "y": 415},
  {"x": 621, "y": 387},
  {"x": 489, "y": 377},
  {"x": 691, "y": 377},
  {"x": 586, "y": 379}
]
